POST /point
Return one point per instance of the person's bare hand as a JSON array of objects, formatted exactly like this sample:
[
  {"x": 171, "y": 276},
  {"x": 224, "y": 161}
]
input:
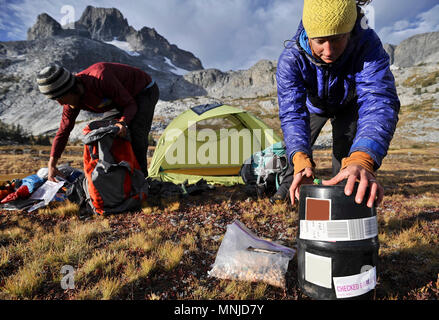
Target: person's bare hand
[
  {"x": 122, "y": 130},
  {"x": 52, "y": 170},
  {"x": 353, "y": 173},
  {"x": 52, "y": 173},
  {"x": 305, "y": 176}
]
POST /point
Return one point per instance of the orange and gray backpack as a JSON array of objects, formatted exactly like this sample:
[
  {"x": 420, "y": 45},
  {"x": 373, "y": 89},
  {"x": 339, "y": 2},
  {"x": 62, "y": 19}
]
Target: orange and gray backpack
[{"x": 113, "y": 181}]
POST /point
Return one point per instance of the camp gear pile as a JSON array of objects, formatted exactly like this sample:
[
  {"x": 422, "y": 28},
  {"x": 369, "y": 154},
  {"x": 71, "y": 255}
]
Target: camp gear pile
[
  {"x": 35, "y": 191},
  {"x": 266, "y": 170}
]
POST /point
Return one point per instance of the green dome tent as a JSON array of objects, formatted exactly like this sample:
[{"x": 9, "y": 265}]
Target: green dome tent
[{"x": 209, "y": 142}]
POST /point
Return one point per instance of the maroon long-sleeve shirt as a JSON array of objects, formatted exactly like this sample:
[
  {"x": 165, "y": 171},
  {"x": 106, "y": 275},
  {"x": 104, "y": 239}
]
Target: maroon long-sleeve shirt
[{"x": 107, "y": 86}]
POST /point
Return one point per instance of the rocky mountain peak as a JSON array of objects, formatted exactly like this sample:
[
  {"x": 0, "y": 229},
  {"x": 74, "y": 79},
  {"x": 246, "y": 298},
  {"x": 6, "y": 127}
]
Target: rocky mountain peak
[
  {"x": 45, "y": 27},
  {"x": 421, "y": 48},
  {"x": 104, "y": 24},
  {"x": 109, "y": 25},
  {"x": 418, "y": 49}
]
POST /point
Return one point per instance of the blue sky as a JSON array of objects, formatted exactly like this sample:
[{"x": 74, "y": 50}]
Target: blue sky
[{"x": 224, "y": 34}]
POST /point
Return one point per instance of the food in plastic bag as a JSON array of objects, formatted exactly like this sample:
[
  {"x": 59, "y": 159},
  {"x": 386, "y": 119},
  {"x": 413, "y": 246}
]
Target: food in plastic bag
[{"x": 244, "y": 256}]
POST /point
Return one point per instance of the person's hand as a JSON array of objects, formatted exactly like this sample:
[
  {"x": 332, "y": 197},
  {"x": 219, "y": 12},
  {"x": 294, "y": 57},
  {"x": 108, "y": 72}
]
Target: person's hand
[
  {"x": 305, "y": 176},
  {"x": 356, "y": 172},
  {"x": 53, "y": 172},
  {"x": 122, "y": 129}
]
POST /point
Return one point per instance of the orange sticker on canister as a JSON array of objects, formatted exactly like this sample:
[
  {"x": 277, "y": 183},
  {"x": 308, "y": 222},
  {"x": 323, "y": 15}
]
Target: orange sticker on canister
[{"x": 318, "y": 209}]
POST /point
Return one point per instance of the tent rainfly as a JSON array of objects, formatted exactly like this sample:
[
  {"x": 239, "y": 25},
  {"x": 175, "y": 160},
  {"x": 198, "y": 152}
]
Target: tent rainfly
[{"x": 209, "y": 142}]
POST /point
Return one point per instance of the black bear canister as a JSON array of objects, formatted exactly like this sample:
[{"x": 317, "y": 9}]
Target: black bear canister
[{"x": 337, "y": 244}]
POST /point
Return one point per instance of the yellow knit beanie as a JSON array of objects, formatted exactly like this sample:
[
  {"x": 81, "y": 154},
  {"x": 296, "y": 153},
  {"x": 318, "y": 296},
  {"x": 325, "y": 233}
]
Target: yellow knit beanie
[{"x": 323, "y": 18}]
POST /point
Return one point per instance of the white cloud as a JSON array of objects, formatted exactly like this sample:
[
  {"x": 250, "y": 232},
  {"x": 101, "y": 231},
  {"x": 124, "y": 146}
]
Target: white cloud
[
  {"x": 226, "y": 34},
  {"x": 400, "y": 30}
]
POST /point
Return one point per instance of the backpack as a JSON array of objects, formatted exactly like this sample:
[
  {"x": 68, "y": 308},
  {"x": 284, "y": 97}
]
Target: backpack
[
  {"x": 267, "y": 170},
  {"x": 113, "y": 181}
]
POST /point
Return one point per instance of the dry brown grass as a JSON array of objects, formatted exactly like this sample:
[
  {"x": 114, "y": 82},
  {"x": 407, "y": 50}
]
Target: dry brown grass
[
  {"x": 165, "y": 250},
  {"x": 26, "y": 160},
  {"x": 424, "y": 80}
]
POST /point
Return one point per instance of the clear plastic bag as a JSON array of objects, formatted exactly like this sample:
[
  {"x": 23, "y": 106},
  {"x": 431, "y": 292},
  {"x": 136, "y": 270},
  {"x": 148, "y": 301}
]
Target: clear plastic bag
[{"x": 244, "y": 256}]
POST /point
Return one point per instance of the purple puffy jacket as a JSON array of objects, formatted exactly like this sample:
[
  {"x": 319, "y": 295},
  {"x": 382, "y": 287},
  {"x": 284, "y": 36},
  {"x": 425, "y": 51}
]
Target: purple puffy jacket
[{"x": 361, "y": 76}]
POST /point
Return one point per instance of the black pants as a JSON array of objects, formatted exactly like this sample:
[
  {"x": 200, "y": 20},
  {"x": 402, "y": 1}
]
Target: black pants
[
  {"x": 344, "y": 128},
  {"x": 140, "y": 125}
]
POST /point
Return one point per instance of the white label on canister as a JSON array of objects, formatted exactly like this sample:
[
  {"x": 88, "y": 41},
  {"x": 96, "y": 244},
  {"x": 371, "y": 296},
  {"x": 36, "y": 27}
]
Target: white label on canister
[
  {"x": 318, "y": 270},
  {"x": 356, "y": 285},
  {"x": 339, "y": 230}
]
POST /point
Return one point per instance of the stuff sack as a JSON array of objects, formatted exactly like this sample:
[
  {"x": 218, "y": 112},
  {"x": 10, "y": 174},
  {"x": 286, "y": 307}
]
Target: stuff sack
[
  {"x": 267, "y": 169},
  {"x": 113, "y": 180},
  {"x": 6, "y": 188}
]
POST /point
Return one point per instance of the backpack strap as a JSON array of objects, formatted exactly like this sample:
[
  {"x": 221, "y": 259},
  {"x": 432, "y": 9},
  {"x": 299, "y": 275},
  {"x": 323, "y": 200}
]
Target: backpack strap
[{"x": 93, "y": 155}]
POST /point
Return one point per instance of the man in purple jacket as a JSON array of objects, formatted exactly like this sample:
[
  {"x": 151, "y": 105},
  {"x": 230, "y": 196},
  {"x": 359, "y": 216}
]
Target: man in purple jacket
[{"x": 335, "y": 68}]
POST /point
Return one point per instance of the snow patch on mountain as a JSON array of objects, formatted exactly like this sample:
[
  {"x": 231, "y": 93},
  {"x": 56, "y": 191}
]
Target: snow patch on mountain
[
  {"x": 125, "y": 46},
  {"x": 174, "y": 69}
]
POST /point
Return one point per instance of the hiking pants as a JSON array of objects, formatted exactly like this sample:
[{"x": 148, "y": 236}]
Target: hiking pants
[
  {"x": 344, "y": 128},
  {"x": 140, "y": 125}
]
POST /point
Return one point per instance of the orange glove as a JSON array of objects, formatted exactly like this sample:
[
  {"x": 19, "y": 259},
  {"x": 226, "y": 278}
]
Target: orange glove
[
  {"x": 301, "y": 161},
  {"x": 359, "y": 158},
  {"x": 22, "y": 192}
]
